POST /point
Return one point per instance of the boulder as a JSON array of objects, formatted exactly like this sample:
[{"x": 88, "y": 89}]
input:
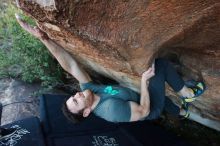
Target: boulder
[
  {"x": 20, "y": 100},
  {"x": 120, "y": 39}
]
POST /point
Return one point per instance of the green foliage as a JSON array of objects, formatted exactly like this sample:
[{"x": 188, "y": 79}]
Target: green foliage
[{"x": 17, "y": 47}]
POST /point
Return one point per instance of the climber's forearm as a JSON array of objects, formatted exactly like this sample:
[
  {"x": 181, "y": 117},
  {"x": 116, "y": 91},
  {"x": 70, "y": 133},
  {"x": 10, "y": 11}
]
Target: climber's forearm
[
  {"x": 142, "y": 110},
  {"x": 63, "y": 57},
  {"x": 67, "y": 62},
  {"x": 145, "y": 97},
  {"x": 145, "y": 100}
]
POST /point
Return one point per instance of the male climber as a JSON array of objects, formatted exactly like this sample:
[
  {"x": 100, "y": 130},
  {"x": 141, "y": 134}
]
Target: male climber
[{"x": 117, "y": 103}]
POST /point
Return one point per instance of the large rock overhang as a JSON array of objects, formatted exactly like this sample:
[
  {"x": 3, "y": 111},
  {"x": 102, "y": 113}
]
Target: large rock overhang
[{"x": 120, "y": 39}]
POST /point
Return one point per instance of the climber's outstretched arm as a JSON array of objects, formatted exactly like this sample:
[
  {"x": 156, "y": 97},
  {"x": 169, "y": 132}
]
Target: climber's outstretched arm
[
  {"x": 63, "y": 57},
  {"x": 66, "y": 61}
]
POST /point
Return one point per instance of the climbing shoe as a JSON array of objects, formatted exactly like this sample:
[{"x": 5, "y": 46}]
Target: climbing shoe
[
  {"x": 198, "y": 88},
  {"x": 185, "y": 107}
]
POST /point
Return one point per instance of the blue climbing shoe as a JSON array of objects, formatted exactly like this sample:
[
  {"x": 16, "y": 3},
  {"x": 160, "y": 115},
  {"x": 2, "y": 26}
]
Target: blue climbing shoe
[{"x": 198, "y": 89}]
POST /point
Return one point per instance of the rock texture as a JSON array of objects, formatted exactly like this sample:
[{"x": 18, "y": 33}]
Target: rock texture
[
  {"x": 18, "y": 100},
  {"x": 119, "y": 39}
]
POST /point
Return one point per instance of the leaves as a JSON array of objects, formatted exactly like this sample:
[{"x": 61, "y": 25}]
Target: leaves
[{"x": 17, "y": 47}]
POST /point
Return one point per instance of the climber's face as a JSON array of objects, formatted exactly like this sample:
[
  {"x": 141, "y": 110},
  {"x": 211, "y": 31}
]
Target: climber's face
[{"x": 79, "y": 102}]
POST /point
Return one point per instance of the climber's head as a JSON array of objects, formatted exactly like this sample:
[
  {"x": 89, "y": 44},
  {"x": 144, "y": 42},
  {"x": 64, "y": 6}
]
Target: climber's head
[{"x": 78, "y": 106}]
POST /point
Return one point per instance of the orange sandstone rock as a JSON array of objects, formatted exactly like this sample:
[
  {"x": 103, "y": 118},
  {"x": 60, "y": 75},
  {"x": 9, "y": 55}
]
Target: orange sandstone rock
[{"x": 120, "y": 39}]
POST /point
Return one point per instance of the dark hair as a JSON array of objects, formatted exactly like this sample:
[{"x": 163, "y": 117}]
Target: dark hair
[{"x": 73, "y": 117}]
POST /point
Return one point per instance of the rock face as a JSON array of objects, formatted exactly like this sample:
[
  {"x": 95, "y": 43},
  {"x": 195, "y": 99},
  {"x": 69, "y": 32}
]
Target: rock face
[
  {"x": 120, "y": 39},
  {"x": 19, "y": 101}
]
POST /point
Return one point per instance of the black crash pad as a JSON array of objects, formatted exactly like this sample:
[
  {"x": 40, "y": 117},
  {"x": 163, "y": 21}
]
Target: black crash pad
[
  {"x": 59, "y": 130},
  {"x": 116, "y": 137},
  {"x": 54, "y": 122},
  {"x": 28, "y": 133}
]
